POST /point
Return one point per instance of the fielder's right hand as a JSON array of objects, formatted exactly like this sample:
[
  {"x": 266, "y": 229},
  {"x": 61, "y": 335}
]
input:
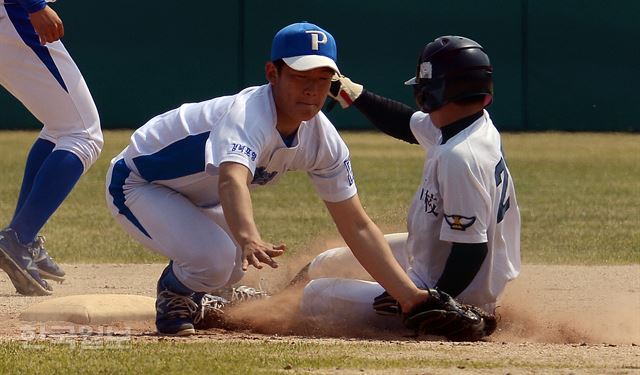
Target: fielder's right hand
[{"x": 256, "y": 253}]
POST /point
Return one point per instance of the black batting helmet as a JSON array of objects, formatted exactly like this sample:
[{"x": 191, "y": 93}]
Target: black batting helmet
[{"x": 450, "y": 69}]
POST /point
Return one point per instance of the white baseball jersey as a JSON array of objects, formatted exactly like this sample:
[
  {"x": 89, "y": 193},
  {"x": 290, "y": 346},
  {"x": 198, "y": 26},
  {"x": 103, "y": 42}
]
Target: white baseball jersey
[
  {"x": 47, "y": 81},
  {"x": 183, "y": 148},
  {"x": 467, "y": 195},
  {"x": 163, "y": 187}
]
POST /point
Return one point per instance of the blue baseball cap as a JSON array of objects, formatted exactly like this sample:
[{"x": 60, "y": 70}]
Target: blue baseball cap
[{"x": 305, "y": 46}]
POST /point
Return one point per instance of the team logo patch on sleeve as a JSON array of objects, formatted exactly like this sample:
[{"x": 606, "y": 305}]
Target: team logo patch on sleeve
[
  {"x": 458, "y": 222},
  {"x": 242, "y": 149},
  {"x": 262, "y": 177},
  {"x": 347, "y": 164}
]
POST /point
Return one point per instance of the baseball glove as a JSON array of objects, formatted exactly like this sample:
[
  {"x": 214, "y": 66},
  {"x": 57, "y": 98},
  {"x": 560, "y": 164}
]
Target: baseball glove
[{"x": 442, "y": 315}]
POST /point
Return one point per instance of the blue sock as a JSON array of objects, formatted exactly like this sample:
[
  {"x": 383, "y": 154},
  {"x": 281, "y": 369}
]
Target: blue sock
[
  {"x": 39, "y": 152},
  {"x": 170, "y": 281},
  {"x": 57, "y": 176}
]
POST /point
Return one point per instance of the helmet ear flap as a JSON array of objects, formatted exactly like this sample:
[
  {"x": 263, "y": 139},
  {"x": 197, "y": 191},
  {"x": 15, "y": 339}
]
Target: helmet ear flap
[
  {"x": 430, "y": 95},
  {"x": 419, "y": 92},
  {"x": 472, "y": 85}
]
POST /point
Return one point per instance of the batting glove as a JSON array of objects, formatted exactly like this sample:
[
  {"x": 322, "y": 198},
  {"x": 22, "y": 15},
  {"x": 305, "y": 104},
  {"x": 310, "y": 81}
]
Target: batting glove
[
  {"x": 384, "y": 304},
  {"x": 344, "y": 91}
]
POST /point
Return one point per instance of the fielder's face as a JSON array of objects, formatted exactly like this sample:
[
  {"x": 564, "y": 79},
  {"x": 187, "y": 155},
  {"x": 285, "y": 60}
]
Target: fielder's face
[{"x": 299, "y": 95}]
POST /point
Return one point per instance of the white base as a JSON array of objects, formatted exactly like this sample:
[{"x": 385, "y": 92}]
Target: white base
[{"x": 93, "y": 308}]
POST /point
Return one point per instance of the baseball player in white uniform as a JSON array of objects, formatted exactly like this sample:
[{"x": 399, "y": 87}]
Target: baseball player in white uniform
[
  {"x": 182, "y": 185},
  {"x": 464, "y": 224},
  {"x": 36, "y": 68}
]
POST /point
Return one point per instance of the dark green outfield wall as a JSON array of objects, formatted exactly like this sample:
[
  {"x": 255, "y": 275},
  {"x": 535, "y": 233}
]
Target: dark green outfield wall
[{"x": 567, "y": 65}]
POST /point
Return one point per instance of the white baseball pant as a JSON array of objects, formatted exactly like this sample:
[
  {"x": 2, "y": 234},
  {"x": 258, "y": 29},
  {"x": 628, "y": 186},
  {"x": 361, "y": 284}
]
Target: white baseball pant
[
  {"x": 49, "y": 84},
  {"x": 198, "y": 240}
]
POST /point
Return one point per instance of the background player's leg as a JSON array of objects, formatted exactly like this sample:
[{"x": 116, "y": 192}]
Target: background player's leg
[
  {"x": 49, "y": 84},
  {"x": 39, "y": 152},
  {"x": 53, "y": 182},
  {"x": 47, "y": 81},
  {"x": 346, "y": 303}
]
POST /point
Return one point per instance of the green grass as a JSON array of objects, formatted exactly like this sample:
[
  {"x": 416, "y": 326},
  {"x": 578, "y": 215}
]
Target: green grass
[
  {"x": 579, "y": 195},
  {"x": 268, "y": 356}
]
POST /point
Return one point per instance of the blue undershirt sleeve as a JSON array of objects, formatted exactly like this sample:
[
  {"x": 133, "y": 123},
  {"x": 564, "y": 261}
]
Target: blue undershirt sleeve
[{"x": 32, "y": 6}]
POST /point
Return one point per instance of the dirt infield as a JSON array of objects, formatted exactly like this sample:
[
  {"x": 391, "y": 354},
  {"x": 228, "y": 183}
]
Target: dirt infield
[{"x": 554, "y": 313}]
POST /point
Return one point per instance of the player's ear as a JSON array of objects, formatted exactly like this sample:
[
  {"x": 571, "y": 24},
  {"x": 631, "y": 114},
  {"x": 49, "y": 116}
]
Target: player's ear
[{"x": 271, "y": 72}]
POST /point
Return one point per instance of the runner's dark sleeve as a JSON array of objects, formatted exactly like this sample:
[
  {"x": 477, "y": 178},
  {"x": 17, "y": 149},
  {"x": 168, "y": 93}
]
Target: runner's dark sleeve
[
  {"x": 463, "y": 264},
  {"x": 389, "y": 116}
]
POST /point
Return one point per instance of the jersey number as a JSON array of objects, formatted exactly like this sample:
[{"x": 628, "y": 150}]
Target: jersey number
[{"x": 501, "y": 170}]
